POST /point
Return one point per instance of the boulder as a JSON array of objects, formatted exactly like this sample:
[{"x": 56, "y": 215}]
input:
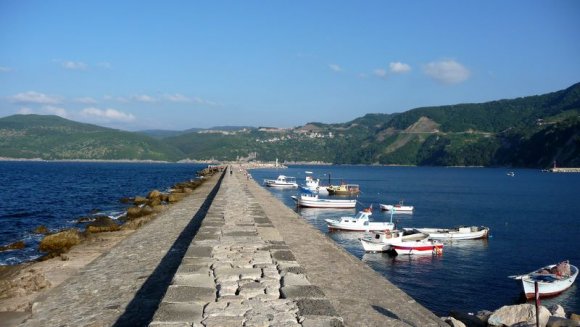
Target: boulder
[
  {"x": 85, "y": 219},
  {"x": 60, "y": 242},
  {"x": 153, "y": 195},
  {"x": 575, "y": 317},
  {"x": 453, "y": 322},
  {"x": 140, "y": 200},
  {"x": 520, "y": 314},
  {"x": 41, "y": 230},
  {"x": 136, "y": 212},
  {"x": 468, "y": 320},
  {"x": 175, "y": 197},
  {"x": 484, "y": 315},
  {"x": 557, "y": 310},
  {"x": 561, "y": 322},
  {"x": 154, "y": 202},
  {"x": 103, "y": 224},
  {"x": 13, "y": 246}
]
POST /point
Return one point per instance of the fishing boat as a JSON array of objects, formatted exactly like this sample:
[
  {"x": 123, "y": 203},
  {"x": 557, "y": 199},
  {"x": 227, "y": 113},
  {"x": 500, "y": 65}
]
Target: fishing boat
[
  {"x": 360, "y": 222},
  {"x": 310, "y": 200},
  {"x": 313, "y": 185},
  {"x": 398, "y": 208},
  {"x": 344, "y": 189},
  {"x": 552, "y": 279},
  {"x": 382, "y": 241},
  {"x": 458, "y": 233},
  {"x": 282, "y": 182},
  {"x": 422, "y": 246}
]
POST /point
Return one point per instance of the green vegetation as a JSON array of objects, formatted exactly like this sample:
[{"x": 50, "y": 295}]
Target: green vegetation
[{"x": 531, "y": 131}]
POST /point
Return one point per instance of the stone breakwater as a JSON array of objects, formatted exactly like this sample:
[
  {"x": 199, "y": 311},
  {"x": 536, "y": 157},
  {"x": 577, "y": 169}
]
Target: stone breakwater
[{"x": 229, "y": 254}]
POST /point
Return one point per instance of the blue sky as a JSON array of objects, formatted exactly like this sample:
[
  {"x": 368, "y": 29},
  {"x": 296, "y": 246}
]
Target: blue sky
[{"x": 180, "y": 64}]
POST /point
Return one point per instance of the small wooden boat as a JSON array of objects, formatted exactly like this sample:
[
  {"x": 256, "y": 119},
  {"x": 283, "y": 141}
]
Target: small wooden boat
[
  {"x": 281, "y": 182},
  {"x": 397, "y": 208},
  {"x": 382, "y": 241},
  {"x": 458, "y": 233},
  {"x": 423, "y": 246},
  {"x": 344, "y": 189},
  {"x": 360, "y": 223},
  {"x": 552, "y": 279},
  {"x": 313, "y": 201}
]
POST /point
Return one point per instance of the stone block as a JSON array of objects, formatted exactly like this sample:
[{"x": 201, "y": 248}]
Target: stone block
[
  {"x": 291, "y": 279},
  {"x": 223, "y": 322},
  {"x": 315, "y": 307},
  {"x": 302, "y": 292},
  {"x": 283, "y": 255},
  {"x": 321, "y": 321},
  {"x": 178, "y": 312},
  {"x": 189, "y": 294},
  {"x": 198, "y": 280}
]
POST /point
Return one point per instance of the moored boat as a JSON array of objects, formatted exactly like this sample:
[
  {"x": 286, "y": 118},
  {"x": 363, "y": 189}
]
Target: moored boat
[
  {"x": 382, "y": 241},
  {"x": 344, "y": 189},
  {"x": 458, "y": 233},
  {"x": 552, "y": 279},
  {"x": 397, "y": 208},
  {"x": 313, "y": 185},
  {"x": 282, "y": 182},
  {"x": 313, "y": 201},
  {"x": 360, "y": 222},
  {"x": 423, "y": 246}
]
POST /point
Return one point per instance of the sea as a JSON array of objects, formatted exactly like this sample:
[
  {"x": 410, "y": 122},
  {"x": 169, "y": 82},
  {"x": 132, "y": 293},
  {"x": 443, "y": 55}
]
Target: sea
[
  {"x": 534, "y": 219},
  {"x": 57, "y": 194}
]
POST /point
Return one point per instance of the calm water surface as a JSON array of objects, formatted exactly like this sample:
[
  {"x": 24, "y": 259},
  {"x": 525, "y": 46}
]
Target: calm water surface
[
  {"x": 56, "y": 194},
  {"x": 534, "y": 219}
]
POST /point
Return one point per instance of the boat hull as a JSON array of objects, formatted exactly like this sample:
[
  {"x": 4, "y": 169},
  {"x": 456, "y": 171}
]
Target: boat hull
[
  {"x": 397, "y": 209},
  {"x": 417, "y": 249},
  {"x": 467, "y": 233},
  {"x": 323, "y": 203},
  {"x": 548, "y": 288},
  {"x": 373, "y": 226}
]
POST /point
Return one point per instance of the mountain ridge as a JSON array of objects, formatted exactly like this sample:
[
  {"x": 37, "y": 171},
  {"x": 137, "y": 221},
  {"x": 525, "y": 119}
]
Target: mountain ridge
[{"x": 532, "y": 131}]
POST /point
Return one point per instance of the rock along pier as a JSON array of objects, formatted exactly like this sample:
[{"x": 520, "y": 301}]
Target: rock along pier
[{"x": 229, "y": 254}]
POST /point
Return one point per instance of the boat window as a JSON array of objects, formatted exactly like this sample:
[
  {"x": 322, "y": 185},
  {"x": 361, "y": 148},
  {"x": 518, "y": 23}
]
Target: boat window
[{"x": 366, "y": 223}]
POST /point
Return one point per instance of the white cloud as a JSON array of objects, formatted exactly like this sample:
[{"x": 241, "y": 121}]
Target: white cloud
[
  {"x": 399, "y": 67},
  {"x": 379, "y": 72},
  {"x": 143, "y": 98},
  {"x": 205, "y": 102},
  {"x": 74, "y": 65},
  {"x": 25, "y": 111},
  {"x": 177, "y": 98},
  {"x": 107, "y": 114},
  {"x": 447, "y": 71},
  {"x": 4, "y": 69},
  {"x": 335, "y": 67},
  {"x": 56, "y": 111},
  {"x": 85, "y": 100},
  {"x": 32, "y": 97}
]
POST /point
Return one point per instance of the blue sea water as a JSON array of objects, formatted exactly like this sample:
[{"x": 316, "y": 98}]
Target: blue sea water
[
  {"x": 56, "y": 194},
  {"x": 534, "y": 219}
]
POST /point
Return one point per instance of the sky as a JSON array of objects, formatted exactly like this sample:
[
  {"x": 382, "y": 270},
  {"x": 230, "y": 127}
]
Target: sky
[{"x": 175, "y": 65}]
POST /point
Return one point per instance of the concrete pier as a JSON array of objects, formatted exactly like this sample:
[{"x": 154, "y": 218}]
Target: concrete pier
[{"x": 230, "y": 254}]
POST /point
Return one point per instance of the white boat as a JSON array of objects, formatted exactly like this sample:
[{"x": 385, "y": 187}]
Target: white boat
[
  {"x": 423, "y": 246},
  {"x": 281, "y": 182},
  {"x": 313, "y": 185},
  {"x": 458, "y": 233},
  {"x": 511, "y": 174},
  {"x": 397, "y": 208},
  {"x": 552, "y": 280},
  {"x": 382, "y": 241},
  {"x": 313, "y": 201},
  {"x": 360, "y": 223}
]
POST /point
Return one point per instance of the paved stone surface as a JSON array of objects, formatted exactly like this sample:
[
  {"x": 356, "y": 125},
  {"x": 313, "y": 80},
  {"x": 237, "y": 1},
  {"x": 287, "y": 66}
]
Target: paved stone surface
[
  {"x": 248, "y": 261},
  {"x": 237, "y": 257}
]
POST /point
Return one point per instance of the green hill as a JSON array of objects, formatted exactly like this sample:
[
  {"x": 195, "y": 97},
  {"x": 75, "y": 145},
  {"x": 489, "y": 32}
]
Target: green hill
[
  {"x": 531, "y": 131},
  {"x": 53, "y": 137}
]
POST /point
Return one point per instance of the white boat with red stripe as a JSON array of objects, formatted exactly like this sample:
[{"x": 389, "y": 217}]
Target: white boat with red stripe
[
  {"x": 552, "y": 280},
  {"x": 424, "y": 246}
]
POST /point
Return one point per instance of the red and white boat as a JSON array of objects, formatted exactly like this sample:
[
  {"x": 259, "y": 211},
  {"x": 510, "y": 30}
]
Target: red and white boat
[
  {"x": 424, "y": 246},
  {"x": 552, "y": 280}
]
